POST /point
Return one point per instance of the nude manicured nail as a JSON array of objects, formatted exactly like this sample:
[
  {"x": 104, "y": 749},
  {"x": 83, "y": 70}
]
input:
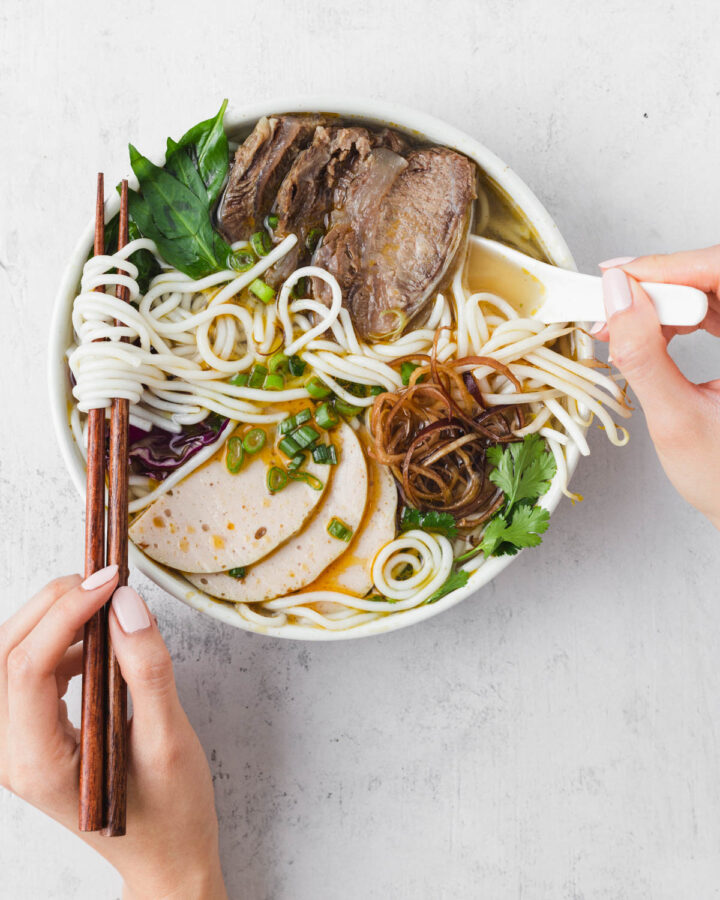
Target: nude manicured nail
[
  {"x": 616, "y": 261},
  {"x": 617, "y": 295},
  {"x": 131, "y": 612},
  {"x": 598, "y": 326},
  {"x": 99, "y": 578}
]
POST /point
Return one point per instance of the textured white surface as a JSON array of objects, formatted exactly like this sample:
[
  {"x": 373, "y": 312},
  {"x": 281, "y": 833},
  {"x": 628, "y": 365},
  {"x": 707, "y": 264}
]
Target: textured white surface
[{"x": 553, "y": 737}]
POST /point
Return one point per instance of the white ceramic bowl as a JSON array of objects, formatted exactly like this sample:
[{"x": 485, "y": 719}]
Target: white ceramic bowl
[{"x": 240, "y": 121}]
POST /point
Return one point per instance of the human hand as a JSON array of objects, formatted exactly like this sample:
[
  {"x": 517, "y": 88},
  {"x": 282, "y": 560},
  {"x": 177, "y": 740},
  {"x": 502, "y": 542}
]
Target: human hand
[
  {"x": 683, "y": 418},
  {"x": 171, "y": 845}
]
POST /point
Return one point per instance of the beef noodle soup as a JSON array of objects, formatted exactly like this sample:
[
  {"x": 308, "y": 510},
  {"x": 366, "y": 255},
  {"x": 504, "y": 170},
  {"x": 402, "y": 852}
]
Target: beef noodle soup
[{"x": 335, "y": 416}]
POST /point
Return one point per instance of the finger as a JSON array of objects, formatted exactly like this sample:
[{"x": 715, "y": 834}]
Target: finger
[
  {"x": 639, "y": 350},
  {"x": 32, "y": 687},
  {"x": 69, "y": 667},
  {"x": 697, "y": 268},
  {"x": 145, "y": 664},
  {"x": 19, "y": 625}
]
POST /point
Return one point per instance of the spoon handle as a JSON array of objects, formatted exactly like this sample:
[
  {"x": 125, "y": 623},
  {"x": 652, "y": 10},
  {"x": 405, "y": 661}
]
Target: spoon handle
[{"x": 572, "y": 297}]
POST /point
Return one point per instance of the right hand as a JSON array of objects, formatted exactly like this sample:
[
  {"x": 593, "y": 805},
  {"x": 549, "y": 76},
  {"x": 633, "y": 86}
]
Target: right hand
[
  {"x": 683, "y": 418},
  {"x": 171, "y": 845}
]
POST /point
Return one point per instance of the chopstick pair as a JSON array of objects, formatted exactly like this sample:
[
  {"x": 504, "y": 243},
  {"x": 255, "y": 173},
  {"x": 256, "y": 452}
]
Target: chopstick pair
[{"x": 103, "y": 734}]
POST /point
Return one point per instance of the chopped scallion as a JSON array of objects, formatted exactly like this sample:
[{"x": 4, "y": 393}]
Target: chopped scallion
[
  {"x": 339, "y": 530},
  {"x": 376, "y": 390},
  {"x": 325, "y": 416},
  {"x": 240, "y": 380},
  {"x": 271, "y": 221},
  {"x": 257, "y": 376},
  {"x": 296, "y": 366},
  {"x": 237, "y": 572},
  {"x": 235, "y": 455},
  {"x": 289, "y": 446},
  {"x": 296, "y": 462},
  {"x": 262, "y": 290},
  {"x": 305, "y": 436},
  {"x": 242, "y": 260},
  {"x": 309, "y": 479},
  {"x": 317, "y": 389},
  {"x": 260, "y": 242},
  {"x": 277, "y": 478},
  {"x": 254, "y": 440},
  {"x": 274, "y": 382},
  {"x": 347, "y": 409},
  {"x": 303, "y": 416},
  {"x": 277, "y": 362}
]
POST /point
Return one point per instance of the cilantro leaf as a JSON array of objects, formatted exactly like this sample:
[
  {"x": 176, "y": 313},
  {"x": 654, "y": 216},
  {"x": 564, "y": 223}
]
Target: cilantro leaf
[
  {"x": 523, "y": 470},
  {"x": 456, "y": 580},
  {"x": 441, "y": 522},
  {"x": 505, "y": 536}
]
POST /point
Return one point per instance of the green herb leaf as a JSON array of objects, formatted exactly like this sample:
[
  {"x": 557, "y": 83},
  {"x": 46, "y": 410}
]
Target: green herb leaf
[
  {"x": 456, "y": 580},
  {"x": 441, "y": 522},
  {"x": 172, "y": 215},
  {"x": 505, "y": 536},
  {"x": 523, "y": 470},
  {"x": 207, "y": 148}
]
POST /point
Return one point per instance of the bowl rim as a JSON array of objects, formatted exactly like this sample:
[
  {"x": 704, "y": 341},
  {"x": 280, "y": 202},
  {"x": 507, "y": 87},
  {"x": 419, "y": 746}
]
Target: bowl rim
[{"x": 237, "y": 119}]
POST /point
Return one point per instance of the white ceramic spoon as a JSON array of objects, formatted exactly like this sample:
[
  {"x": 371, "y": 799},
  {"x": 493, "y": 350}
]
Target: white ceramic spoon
[{"x": 551, "y": 294}]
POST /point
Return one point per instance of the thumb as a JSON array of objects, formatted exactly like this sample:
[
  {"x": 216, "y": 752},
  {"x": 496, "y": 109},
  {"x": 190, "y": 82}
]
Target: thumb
[
  {"x": 639, "y": 350},
  {"x": 144, "y": 662}
]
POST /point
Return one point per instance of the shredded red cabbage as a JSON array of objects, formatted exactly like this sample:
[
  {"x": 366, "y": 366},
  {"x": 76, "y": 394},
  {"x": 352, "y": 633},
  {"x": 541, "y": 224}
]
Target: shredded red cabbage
[{"x": 157, "y": 453}]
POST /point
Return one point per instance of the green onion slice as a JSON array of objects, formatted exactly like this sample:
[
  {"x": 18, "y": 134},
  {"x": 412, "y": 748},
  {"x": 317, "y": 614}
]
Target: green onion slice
[
  {"x": 277, "y": 478},
  {"x": 237, "y": 572},
  {"x": 240, "y": 380},
  {"x": 338, "y": 529},
  {"x": 257, "y": 376},
  {"x": 325, "y": 416},
  {"x": 296, "y": 366},
  {"x": 289, "y": 446},
  {"x": 242, "y": 260},
  {"x": 235, "y": 455},
  {"x": 277, "y": 361},
  {"x": 309, "y": 479},
  {"x": 271, "y": 221},
  {"x": 274, "y": 382},
  {"x": 296, "y": 462},
  {"x": 317, "y": 389},
  {"x": 347, "y": 409},
  {"x": 262, "y": 291},
  {"x": 254, "y": 440},
  {"x": 260, "y": 242},
  {"x": 305, "y": 436}
]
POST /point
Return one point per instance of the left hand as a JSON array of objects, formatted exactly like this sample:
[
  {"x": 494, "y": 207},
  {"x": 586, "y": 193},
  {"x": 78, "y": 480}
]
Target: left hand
[{"x": 171, "y": 845}]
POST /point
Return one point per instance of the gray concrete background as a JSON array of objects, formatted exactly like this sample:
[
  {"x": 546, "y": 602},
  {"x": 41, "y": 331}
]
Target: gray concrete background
[{"x": 555, "y": 736}]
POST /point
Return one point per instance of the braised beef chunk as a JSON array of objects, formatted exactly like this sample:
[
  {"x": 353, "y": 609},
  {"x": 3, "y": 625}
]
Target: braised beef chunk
[
  {"x": 395, "y": 233},
  {"x": 306, "y": 193},
  {"x": 261, "y": 162},
  {"x": 393, "y": 140}
]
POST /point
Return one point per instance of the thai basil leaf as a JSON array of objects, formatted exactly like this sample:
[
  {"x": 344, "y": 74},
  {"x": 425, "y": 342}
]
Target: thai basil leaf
[
  {"x": 207, "y": 147},
  {"x": 172, "y": 215},
  {"x": 179, "y": 164}
]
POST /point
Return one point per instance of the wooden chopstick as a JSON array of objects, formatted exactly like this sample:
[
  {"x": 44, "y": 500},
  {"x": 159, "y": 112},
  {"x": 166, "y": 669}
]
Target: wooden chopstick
[
  {"x": 117, "y": 553},
  {"x": 92, "y": 737}
]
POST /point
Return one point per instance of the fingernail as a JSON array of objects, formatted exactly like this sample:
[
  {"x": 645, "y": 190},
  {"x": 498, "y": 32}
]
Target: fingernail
[
  {"x": 131, "y": 612},
  {"x": 598, "y": 326},
  {"x": 617, "y": 295},
  {"x": 97, "y": 579},
  {"x": 616, "y": 261}
]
